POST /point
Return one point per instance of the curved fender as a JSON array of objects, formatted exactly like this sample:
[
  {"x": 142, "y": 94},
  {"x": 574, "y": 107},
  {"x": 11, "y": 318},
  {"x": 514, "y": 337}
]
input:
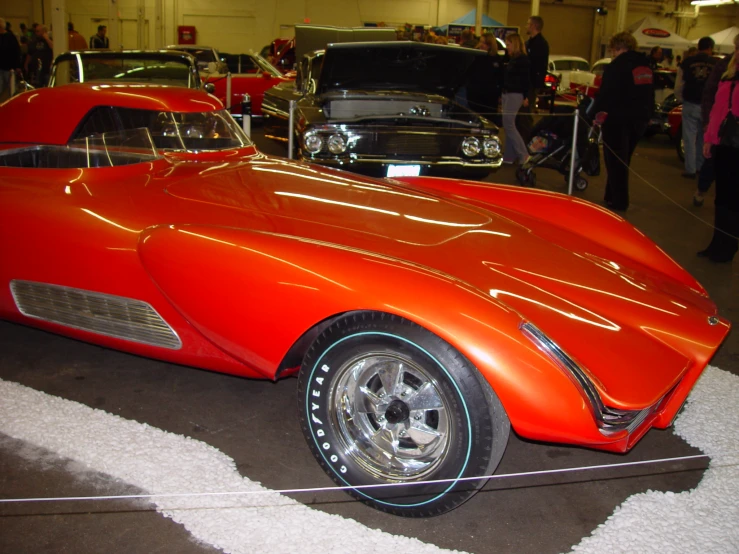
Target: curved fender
[
  {"x": 254, "y": 294},
  {"x": 572, "y": 214}
]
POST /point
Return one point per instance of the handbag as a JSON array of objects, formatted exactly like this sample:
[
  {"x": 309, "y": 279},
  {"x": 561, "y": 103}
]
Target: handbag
[{"x": 728, "y": 132}]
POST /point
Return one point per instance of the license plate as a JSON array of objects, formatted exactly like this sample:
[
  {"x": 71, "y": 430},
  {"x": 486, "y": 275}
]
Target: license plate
[{"x": 403, "y": 170}]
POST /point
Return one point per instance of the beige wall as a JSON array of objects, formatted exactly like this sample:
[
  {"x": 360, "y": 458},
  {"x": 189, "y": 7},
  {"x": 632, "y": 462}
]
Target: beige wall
[
  {"x": 568, "y": 29},
  {"x": 571, "y": 26}
]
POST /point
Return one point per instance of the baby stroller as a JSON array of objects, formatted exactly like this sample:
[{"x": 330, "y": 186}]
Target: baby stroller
[{"x": 551, "y": 146}]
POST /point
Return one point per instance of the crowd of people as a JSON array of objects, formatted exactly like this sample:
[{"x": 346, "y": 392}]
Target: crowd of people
[{"x": 29, "y": 54}]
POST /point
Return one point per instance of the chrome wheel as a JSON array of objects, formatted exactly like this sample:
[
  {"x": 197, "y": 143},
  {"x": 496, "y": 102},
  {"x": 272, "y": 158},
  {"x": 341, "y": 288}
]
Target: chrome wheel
[
  {"x": 391, "y": 416},
  {"x": 383, "y": 401}
]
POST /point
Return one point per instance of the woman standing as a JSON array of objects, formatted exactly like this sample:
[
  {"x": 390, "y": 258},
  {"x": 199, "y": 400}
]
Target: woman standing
[
  {"x": 724, "y": 243},
  {"x": 516, "y": 84}
]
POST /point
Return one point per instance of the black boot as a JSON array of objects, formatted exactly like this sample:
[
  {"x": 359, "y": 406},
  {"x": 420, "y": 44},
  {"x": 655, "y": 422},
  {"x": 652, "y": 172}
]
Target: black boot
[{"x": 724, "y": 244}]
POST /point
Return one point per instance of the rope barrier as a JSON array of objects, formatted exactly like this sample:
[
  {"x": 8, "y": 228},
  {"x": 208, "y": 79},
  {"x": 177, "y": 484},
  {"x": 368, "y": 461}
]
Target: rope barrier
[
  {"x": 365, "y": 487},
  {"x": 658, "y": 190}
]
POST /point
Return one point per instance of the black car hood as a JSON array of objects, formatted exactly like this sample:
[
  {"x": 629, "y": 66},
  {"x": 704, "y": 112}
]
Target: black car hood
[{"x": 406, "y": 66}]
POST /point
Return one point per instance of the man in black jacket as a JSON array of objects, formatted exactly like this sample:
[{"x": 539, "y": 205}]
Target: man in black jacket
[
  {"x": 10, "y": 57},
  {"x": 99, "y": 41},
  {"x": 624, "y": 105},
  {"x": 537, "y": 49},
  {"x": 40, "y": 55}
]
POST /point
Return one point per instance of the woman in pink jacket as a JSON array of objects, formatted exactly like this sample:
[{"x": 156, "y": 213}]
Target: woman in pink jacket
[{"x": 724, "y": 243}]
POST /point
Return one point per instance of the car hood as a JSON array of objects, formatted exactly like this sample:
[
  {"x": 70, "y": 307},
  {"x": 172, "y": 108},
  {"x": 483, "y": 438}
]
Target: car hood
[
  {"x": 594, "y": 303},
  {"x": 409, "y": 66}
]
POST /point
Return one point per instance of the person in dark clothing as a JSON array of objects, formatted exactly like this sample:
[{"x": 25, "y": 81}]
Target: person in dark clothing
[
  {"x": 691, "y": 78},
  {"x": 99, "y": 40},
  {"x": 655, "y": 58},
  {"x": 537, "y": 48},
  {"x": 40, "y": 55},
  {"x": 707, "y": 173},
  {"x": 725, "y": 241},
  {"x": 10, "y": 57},
  {"x": 516, "y": 85},
  {"x": 623, "y": 106}
]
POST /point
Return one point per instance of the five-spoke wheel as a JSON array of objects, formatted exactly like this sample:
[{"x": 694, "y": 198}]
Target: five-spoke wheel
[{"x": 393, "y": 411}]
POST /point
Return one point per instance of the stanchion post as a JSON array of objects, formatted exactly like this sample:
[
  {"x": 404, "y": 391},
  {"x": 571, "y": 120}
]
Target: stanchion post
[
  {"x": 573, "y": 156},
  {"x": 246, "y": 114},
  {"x": 291, "y": 130},
  {"x": 228, "y": 91}
]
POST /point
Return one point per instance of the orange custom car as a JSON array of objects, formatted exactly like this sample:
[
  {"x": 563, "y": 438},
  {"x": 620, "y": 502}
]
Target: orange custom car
[{"x": 423, "y": 317}]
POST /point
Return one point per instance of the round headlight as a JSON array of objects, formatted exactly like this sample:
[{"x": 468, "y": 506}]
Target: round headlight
[
  {"x": 491, "y": 147},
  {"x": 336, "y": 144},
  {"x": 471, "y": 147},
  {"x": 312, "y": 141}
]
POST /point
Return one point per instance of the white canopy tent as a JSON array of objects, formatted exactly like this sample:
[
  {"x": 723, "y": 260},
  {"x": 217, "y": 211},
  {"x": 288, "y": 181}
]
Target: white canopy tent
[
  {"x": 649, "y": 33},
  {"x": 725, "y": 40}
]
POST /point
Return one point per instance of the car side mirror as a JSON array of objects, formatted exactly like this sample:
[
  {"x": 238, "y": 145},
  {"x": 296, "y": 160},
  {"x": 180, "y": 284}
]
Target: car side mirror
[{"x": 210, "y": 88}]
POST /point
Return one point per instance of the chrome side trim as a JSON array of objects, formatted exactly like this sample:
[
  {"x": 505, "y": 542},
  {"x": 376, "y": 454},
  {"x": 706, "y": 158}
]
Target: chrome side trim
[
  {"x": 104, "y": 314},
  {"x": 609, "y": 420}
]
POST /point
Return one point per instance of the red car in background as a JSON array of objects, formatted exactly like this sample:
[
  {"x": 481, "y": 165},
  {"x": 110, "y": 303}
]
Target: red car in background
[{"x": 254, "y": 75}]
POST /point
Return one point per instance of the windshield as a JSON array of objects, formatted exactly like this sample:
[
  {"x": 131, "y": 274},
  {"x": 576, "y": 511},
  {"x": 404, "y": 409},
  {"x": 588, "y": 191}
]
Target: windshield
[
  {"x": 89, "y": 67},
  {"x": 203, "y": 55},
  {"x": 571, "y": 65},
  {"x": 113, "y": 149},
  {"x": 197, "y": 131},
  {"x": 191, "y": 132}
]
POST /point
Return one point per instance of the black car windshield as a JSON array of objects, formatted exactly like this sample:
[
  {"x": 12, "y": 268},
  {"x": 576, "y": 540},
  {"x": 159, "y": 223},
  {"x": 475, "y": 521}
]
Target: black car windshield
[{"x": 85, "y": 67}]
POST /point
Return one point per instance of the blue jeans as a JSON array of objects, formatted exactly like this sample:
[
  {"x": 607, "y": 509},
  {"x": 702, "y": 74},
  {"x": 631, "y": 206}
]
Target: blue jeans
[
  {"x": 514, "y": 149},
  {"x": 692, "y": 137}
]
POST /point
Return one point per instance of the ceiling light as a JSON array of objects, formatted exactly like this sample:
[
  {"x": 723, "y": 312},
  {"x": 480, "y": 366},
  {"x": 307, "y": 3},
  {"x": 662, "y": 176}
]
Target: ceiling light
[{"x": 712, "y": 2}]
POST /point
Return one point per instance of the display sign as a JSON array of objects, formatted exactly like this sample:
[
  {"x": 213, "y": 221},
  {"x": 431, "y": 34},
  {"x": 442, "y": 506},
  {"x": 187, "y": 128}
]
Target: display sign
[{"x": 657, "y": 33}]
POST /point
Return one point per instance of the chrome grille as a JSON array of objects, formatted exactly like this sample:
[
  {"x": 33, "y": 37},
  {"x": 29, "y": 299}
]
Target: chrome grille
[
  {"x": 419, "y": 145},
  {"x": 105, "y": 314}
]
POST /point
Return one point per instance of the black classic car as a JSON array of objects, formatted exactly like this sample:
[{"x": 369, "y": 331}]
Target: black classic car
[{"x": 385, "y": 109}]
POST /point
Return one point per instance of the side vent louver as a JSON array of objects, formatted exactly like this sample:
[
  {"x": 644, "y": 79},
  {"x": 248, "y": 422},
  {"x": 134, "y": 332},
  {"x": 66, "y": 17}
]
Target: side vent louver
[{"x": 105, "y": 314}]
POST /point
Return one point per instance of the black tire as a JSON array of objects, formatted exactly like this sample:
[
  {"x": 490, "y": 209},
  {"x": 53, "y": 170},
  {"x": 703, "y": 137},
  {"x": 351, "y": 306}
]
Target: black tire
[
  {"x": 440, "y": 420},
  {"x": 581, "y": 183}
]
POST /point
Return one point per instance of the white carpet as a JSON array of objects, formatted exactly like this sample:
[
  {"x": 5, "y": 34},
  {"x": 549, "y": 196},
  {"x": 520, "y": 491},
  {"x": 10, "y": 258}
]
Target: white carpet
[{"x": 703, "y": 520}]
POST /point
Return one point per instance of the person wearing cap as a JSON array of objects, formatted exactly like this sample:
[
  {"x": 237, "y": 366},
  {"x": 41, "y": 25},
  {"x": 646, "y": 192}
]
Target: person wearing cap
[
  {"x": 623, "y": 107},
  {"x": 691, "y": 79}
]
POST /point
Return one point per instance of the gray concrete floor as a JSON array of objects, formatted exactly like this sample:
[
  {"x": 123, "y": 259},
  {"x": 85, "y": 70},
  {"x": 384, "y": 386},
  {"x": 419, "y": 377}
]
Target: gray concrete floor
[{"x": 255, "y": 423}]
